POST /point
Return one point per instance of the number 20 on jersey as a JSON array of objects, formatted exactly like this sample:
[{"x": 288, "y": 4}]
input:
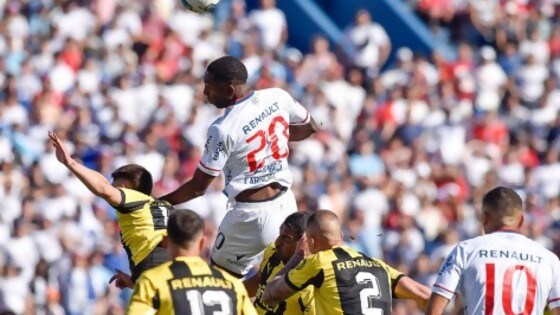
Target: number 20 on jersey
[{"x": 270, "y": 135}]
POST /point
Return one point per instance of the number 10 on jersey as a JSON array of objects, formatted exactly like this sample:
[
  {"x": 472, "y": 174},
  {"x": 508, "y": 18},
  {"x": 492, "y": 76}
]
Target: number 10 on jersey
[
  {"x": 507, "y": 289},
  {"x": 268, "y": 136}
]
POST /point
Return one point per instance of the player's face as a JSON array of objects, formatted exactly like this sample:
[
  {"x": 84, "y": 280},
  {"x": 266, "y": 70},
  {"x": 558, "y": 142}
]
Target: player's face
[
  {"x": 286, "y": 243},
  {"x": 218, "y": 93}
]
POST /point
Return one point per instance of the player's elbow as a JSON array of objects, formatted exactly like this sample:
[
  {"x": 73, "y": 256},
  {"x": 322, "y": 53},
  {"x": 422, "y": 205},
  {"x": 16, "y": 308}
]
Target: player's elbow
[{"x": 313, "y": 128}]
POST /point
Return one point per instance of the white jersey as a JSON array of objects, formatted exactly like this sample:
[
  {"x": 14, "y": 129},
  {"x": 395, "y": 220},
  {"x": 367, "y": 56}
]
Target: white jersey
[
  {"x": 250, "y": 141},
  {"x": 501, "y": 273}
]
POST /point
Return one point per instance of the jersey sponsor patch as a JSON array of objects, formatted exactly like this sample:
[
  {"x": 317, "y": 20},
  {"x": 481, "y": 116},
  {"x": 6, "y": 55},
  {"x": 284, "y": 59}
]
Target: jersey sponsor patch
[{"x": 447, "y": 264}]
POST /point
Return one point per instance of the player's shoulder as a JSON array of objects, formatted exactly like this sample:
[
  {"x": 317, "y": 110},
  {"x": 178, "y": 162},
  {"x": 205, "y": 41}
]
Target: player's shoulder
[
  {"x": 269, "y": 251},
  {"x": 133, "y": 195},
  {"x": 158, "y": 273},
  {"x": 274, "y": 94}
]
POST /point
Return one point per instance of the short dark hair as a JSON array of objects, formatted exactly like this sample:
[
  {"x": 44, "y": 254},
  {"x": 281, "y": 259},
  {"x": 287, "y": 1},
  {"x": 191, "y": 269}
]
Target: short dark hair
[
  {"x": 228, "y": 69},
  {"x": 183, "y": 226},
  {"x": 298, "y": 222},
  {"x": 502, "y": 201},
  {"x": 140, "y": 178}
]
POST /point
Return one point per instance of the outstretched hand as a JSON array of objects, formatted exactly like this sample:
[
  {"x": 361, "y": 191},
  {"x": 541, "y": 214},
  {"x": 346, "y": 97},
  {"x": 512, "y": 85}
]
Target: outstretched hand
[
  {"x": 122, "y": 280},
  {"x": 62, "y": 154}
]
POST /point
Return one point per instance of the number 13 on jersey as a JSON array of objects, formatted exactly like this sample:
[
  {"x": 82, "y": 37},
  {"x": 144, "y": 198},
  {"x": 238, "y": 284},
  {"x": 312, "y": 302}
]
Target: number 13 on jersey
[{"x": 269, "y": 136}]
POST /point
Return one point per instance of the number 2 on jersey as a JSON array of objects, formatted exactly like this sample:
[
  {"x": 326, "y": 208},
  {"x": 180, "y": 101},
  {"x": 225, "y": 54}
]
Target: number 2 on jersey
[
  {"x": 507, "y": 290},
  {"x": 274, "y": 147},
  {"x": 368, "y": 294}
]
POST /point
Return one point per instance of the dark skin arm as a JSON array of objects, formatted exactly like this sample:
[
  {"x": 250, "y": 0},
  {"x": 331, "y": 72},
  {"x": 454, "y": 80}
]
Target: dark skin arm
[
  {"x": 302, "y": 132},
  {"x": 195, "y": 187},
  {"x": 252, "y": 284}
]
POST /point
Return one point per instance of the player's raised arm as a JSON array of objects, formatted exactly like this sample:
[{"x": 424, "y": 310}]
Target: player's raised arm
[
  {"x": 216, "y": 153},
  {"x": 94, "y": 181}
]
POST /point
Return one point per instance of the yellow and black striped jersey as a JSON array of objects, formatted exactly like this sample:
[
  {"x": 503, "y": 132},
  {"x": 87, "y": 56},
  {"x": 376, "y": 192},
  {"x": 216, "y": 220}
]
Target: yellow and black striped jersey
[
  {"x": 299, "y": 303},
  {"x": 143, "y": 223},
  {"x": 346, "y": 282},
  {"x": 189, "y": 286}
]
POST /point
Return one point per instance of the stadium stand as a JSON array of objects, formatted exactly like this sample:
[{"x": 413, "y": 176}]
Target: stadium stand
[{"x": 404, "y": 156}]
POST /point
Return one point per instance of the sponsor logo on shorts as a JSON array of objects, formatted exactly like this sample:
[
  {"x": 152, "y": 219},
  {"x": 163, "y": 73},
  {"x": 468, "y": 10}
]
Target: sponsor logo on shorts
[{"x": 238, "y": 263}]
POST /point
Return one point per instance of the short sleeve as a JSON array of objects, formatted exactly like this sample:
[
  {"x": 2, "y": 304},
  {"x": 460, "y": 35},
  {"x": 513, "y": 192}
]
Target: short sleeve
[
  {"x": 394, "y": 274},
  {"x": 132, "y": 200},
  {"x": 308, "y": 272},
  {"x": 215, "y": 152},
  {"x": 143, "y": 298},
  {"x": 554, "y": 295},
  {"x": 450, "y": 274},
  {"x": 298, "y": 114}
]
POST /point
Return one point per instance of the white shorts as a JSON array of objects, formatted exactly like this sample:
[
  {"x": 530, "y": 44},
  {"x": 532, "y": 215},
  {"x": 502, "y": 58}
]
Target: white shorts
[{"x": 247, "y": 229}]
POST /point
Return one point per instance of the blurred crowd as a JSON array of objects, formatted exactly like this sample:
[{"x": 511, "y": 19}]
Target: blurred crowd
[{"x": 403, "y": 157}]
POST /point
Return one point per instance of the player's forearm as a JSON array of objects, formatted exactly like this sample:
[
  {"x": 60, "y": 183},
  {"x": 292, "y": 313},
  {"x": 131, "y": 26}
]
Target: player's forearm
[
  {"x": 436, "y": 305},
  {"x": 302, "y": 132},
  {"x": 277, "y": 290},
  {"x": 409, "y": 289},
  {"x": 94, "y": 181},
  {"x": 186, "y": 192},
  {"x": 252, "y": 284},
  {"x": 291, "y": 264}
]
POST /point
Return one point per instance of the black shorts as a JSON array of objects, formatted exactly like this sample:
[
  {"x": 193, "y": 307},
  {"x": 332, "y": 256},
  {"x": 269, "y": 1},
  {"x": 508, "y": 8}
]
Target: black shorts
[{"x": 157, "y": 257}]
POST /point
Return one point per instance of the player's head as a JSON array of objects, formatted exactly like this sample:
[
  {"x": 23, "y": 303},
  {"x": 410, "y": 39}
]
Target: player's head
[
  {"x": 323, "y": 231},
  {"x": 501, "y": 208},
  {"x": 291, "y": 232},
  {"x": 185, "y": 233},
  {"x": 224, "y": 81},
  {"x": 133, "y": 176}
]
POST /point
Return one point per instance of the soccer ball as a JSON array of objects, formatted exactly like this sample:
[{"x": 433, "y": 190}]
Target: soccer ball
[{"x": 199, "y": 6}]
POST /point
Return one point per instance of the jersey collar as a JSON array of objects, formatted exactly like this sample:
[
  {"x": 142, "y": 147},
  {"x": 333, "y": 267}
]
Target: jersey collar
[
  {"x": 508, "y": 230},
  {"x": 244, "y": 98}
]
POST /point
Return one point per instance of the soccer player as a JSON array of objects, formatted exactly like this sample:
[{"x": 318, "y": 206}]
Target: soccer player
[
  {"x": 187, "y": 285},
  {"x": 502, "y": 272},
  {"x": 249, "y": 143},
  {"x": 346, "y": 282},
  {"x": 275, "y": 256},
  {"x": 142, "y": 219}
]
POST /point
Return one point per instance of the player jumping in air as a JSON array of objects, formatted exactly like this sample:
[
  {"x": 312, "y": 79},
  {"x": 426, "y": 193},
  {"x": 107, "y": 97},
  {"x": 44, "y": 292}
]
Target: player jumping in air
[
  {"x": 249, "y": 143},
  {"x": 502, "y": 272}
]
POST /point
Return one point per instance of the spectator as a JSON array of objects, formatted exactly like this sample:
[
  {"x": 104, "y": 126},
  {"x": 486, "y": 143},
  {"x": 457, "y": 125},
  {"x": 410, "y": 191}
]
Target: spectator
[
  {"x": 403, "y": 157},
  {"x": 369, "y": 43}
]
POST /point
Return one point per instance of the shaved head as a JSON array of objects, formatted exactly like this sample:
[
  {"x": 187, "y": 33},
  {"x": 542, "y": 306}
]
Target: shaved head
[
  {"x": 502, "y": 207},
  {"x": 323, "y": 230}
]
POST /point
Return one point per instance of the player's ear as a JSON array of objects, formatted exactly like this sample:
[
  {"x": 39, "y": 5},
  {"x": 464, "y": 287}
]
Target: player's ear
[
  {"x": 521, "y": 221},
  {"x": 231, "y": 91},
  {"x": 201, "y": 243}
]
